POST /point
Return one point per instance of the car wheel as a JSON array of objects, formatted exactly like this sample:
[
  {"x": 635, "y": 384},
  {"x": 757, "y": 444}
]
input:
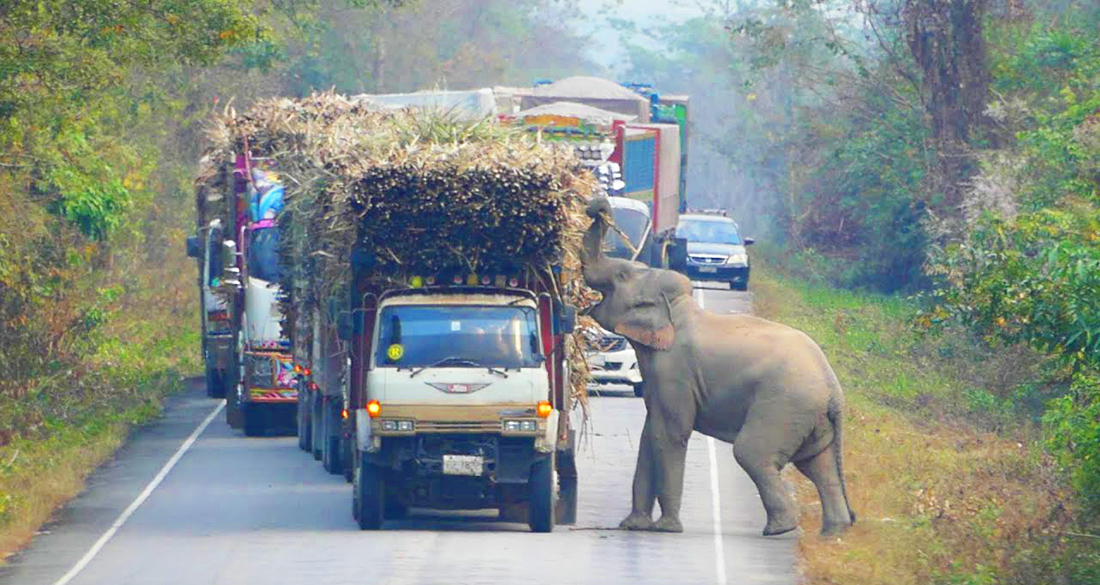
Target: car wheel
[{"x": 639, "y": 390}]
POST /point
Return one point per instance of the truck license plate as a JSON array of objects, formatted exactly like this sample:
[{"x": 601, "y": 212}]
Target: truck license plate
[
  {"x": 462, "y": 465},
  {"x": 707, "y": 269}
]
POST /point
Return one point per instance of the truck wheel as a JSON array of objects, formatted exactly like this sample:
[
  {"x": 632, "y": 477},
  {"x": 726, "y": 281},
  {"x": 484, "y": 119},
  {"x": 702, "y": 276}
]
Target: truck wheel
[
  {"x": 215, "y": 383},
  {"x": 253, "y": 421},
  {"x": 315, "y": 422},
  {"x": 639, "y": 389},
  {"x": 369, "y": 495},
  {"x": 541, "y": 496},
  {"x": 304, "y": 439},
  {"x": 330, "y": 449}
]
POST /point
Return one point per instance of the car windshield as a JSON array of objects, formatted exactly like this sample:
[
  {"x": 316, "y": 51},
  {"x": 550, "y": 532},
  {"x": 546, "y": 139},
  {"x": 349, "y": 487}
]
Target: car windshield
[
  {"x": 633, "y": 223},
  {"x": 709, "y": 232},
  {"x": 263, "y": 254},
  {"x": 411, "y": 336}
]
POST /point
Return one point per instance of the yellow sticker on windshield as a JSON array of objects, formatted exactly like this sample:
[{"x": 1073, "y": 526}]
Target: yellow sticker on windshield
[{"x": 395, "y": 352}]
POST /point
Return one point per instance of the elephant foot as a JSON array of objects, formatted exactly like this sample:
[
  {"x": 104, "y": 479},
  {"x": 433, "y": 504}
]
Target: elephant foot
[
  {"x": 636, "y": 521},
  {"x": 668, "y": 524},
  {"x": 782, "y": 526}
]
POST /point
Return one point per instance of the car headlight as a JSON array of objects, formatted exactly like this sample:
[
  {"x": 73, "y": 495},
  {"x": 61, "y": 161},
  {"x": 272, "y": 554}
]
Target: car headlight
[{"x": 739, "y": 259}]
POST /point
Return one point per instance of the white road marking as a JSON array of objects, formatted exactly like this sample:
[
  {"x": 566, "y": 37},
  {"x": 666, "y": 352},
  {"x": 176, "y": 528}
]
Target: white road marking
[
  {"x": 144, "y": 495},
  {"x": 715, "y": 496}
]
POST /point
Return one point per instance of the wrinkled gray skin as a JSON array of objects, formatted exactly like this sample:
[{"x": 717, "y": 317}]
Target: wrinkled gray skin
[{"x": 764, "y": 387}]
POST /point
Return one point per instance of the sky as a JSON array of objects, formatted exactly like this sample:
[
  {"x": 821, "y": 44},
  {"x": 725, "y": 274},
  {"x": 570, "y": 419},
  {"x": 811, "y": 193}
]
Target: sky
[{"x": 607, "y": 49}]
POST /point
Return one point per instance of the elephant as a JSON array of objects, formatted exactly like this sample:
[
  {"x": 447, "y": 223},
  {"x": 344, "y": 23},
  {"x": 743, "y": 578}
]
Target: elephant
[{"x": 764, "y": 387}]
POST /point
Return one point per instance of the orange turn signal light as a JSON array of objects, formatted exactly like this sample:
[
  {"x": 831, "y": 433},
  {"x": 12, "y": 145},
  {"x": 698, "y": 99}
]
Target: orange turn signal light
[
  {"x": 344, "y": 413},
  {"x": 545, "y": 409},
  {"x": 374, "y": 408},
  {"x": 297, "y": 368}
]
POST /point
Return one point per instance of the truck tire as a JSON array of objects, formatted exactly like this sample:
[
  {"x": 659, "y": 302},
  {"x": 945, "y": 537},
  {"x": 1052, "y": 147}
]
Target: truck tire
[
  {"x": 370, "y": 495},
  {"x": 540, "y": 503},
  {"x": 330, "y": 447},
  {"x": 304, "y": 439},
  {"x": 215, "y": 383},
  {"x": 315, "y": 422}
]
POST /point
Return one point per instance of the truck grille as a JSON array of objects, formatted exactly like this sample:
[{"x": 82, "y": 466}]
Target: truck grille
[
  {"x": 457, "y": 427},
  {"x": 707, "y": 259}
]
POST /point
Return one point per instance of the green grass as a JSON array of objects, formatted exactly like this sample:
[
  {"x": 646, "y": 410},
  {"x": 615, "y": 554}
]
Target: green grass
[{"x": 946, "y": 471}]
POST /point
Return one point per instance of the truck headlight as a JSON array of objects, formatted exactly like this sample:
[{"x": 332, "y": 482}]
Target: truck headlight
[
  {"x": 739, "y": 259},
  {"x": 398, "y": 425},
  {"x": 521, "y": 426}
]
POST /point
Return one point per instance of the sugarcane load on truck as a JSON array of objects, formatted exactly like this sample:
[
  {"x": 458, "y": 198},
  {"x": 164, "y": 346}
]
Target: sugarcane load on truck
[{"x": 430, "y": 270}]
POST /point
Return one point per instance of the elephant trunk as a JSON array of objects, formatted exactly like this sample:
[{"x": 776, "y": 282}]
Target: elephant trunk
[{"x": 597, "y": 270}]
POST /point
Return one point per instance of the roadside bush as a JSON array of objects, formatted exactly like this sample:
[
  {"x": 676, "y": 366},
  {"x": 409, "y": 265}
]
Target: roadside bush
[{"x": 1073, "y": 434}]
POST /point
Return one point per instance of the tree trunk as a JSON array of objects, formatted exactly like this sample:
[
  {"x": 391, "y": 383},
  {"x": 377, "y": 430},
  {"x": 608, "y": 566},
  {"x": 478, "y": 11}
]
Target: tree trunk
[{"x": 946, "y": 40}]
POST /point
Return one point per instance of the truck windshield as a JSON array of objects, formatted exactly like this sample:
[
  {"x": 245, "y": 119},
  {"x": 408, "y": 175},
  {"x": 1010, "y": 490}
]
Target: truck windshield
[
  {"x": 263, "y": 254},
  {"x": 412, "y": 336},
  {"x": 633, "y": 223},
  {"x": 709, "y": 232}
]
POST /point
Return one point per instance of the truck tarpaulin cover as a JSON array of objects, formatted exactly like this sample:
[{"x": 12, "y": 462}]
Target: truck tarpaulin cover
[{"x": 591, "y": 91}]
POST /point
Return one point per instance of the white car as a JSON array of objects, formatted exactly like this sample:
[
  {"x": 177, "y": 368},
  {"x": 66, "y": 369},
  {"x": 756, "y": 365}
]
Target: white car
[{"x": 614, "y": 362}]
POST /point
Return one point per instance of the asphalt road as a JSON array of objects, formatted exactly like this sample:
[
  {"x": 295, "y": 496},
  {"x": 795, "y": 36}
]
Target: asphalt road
[{"x": 233, "y": 510}]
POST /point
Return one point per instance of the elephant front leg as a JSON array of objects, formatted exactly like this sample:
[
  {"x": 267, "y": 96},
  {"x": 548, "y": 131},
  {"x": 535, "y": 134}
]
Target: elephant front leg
[
  {"x": 659, "y": 476},
  {"x": 671, "y": 458},
  {"x": 645, "y": 490}
]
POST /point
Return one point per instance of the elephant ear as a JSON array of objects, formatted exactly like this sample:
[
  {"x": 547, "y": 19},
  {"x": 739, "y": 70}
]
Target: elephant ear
[{"x": 648, "y": 322}]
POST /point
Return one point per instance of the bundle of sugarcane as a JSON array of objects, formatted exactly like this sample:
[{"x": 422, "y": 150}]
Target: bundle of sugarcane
[{"x": 422, "y": 191}]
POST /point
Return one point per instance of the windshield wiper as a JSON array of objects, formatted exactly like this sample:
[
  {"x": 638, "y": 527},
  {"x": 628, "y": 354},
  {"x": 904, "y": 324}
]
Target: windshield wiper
[{"x": 458, "y": 361}]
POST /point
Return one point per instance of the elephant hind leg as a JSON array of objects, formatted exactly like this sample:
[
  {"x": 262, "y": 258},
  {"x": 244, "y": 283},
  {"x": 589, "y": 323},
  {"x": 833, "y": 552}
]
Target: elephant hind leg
[
  {"x": 822, "y": 470},
  {"x": 763, "y": 463}
]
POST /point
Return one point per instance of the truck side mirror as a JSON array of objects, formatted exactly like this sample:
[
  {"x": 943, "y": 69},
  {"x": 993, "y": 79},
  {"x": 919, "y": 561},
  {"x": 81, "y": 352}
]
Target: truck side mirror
[
  {"x": 750, "y": 241},
  {"x": 194, "y": 246},
  {"x": 567, "y": 319},
  {"x": 678, "y": 254},
  {"x": 229, "y": 262}
]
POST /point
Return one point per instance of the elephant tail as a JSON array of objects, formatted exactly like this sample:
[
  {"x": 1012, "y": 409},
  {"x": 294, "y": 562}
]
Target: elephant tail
[{"x": 836, "y": 418}]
